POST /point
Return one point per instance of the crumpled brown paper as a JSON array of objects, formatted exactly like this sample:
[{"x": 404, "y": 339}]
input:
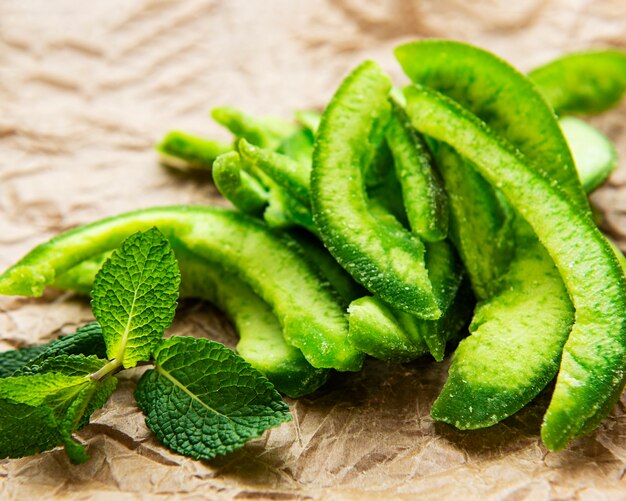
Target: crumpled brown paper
[{"x": 86, "y": 88}]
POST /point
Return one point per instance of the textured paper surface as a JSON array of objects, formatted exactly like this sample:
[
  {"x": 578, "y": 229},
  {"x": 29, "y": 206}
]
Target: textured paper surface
[{"x": 86, "y": 88}]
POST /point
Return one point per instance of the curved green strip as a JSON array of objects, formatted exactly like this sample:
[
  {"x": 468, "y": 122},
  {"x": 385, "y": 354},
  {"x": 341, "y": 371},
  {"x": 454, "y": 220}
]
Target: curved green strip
[
  {"x": 237, "y": 186},
  {"x": 287, "y": 173},
  {"x": 311, "y": 317},
  {"x": 387, "y": 261},
  {"x": 593, "y": 152},
  {"x": 517, "y": 336},
  {"x": 486, "y": 382},
  {"x": 594, "y": 356},
  {"x": 425, "y": 201},
  {"x": 179, "y": 149},
  {"x": 584, "y": 82},
  {"x": 502, "y": 97},
  {"x": 480, "y": 223}
]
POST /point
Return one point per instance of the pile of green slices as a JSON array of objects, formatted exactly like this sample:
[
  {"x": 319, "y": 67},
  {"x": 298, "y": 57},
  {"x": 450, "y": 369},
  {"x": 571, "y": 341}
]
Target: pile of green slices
[{"x": 395, "y": 219}]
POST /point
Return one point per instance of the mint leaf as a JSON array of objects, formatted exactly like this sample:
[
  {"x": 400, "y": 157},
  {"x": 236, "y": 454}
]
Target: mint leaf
[
  {"x": 87, "y": 340},
  {"x": 70, "y": 365},
  {"x": 41, "y": 411},
  {"x": 12, "y": 360},
  {"x": 134, "y": 296},
  {"x": 203, "y": 400}
]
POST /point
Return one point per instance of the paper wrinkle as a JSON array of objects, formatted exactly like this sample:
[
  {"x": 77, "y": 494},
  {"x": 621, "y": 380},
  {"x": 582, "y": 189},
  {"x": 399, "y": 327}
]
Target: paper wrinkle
[{"x": 87, "y": 90}]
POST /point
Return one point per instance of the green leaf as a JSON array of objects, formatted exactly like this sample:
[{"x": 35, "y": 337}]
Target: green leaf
[
  {"x": 70, "y": 365},
  {"x": 203, "y": 400},
  {"x": 87, "y": 340},
  {"x": 41, "y": 411},
  {"x": 134, "y": 296},
  {"x": 13, "y": 360}
]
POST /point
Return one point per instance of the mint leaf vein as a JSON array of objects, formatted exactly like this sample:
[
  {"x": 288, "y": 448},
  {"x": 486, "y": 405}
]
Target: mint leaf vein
[
  {"x": 134, "y": 296},
  {"x": 203, "y": 400}
]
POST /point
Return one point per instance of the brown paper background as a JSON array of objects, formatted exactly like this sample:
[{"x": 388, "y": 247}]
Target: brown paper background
[{"x": 86, "y": 88}]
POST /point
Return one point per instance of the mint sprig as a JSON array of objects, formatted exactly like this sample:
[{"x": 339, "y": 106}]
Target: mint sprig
[
  {"x": 134, "y": 296},
  {"x": 201, "y": 399},
  {"x": 42, "y": 411},
  {"x": 12, "y": 360}
]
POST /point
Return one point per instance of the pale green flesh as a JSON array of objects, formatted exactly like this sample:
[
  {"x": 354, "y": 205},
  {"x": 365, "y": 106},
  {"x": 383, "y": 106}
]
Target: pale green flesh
[
  {"x": 386, "y": 261},
  {"x": 592, "y": 366},
  {"x": 593, "y": 152},
  {"x": 312, "y": 319},
  {"x": 501, "y": 96},
  {"x": 586, "y": 82}
]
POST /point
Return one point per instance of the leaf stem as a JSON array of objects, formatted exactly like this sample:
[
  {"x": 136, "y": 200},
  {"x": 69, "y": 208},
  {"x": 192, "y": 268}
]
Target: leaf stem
[{"x": 110, "y": 367}]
